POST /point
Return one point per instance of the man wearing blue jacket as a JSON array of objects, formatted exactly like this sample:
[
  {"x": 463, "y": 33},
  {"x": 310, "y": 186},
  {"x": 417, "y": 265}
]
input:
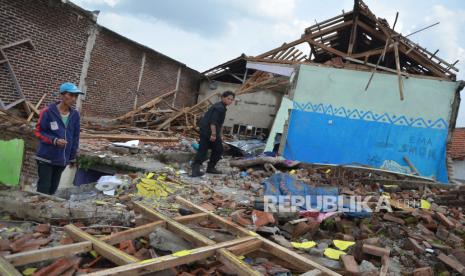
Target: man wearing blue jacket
[{"x": 58, "y": 130}]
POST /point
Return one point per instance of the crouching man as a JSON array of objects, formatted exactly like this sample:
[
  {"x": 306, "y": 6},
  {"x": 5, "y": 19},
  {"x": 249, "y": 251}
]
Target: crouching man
[
  {"x": 211, "y": 129},
  {"x": 58, "y": 130}
]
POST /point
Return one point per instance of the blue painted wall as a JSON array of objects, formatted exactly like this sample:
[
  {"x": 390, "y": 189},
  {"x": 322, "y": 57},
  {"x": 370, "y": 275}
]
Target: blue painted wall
[{"x": 335, "y": 121}]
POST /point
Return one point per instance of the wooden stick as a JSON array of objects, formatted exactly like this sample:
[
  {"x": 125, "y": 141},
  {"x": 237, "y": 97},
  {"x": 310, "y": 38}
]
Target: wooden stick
[
  {"x": 169, "y": 261},
  {"x": 226, "y": 257},
  {"x": 8, "y": 269},
  {"x": 36, "y": 107},
  {"x": 112, "y": 137},
  {"x": 399, "y": 75},
  {"x": 109, "y": 252}
]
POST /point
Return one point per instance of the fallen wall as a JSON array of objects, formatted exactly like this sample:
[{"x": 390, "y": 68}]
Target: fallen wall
[{"x": 335, "y": 121}]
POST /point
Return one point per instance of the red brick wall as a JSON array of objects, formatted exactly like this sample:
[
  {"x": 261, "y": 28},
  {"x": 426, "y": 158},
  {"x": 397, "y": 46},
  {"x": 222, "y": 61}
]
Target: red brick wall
[
  {"x": 114, "y": 73},
  {"x": 59, "y": 34},
  {"x": 457, "y": 146}
]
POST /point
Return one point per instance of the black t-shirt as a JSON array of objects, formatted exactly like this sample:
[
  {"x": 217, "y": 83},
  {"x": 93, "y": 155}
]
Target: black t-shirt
[{"x": 214, "y": 116}]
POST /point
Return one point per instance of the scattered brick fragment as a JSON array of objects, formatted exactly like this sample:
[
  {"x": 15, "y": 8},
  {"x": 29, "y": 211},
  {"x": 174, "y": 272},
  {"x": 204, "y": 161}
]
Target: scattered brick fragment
[
  {"x": 423, "y": 271},
  {"x": 350, "y": 265}
]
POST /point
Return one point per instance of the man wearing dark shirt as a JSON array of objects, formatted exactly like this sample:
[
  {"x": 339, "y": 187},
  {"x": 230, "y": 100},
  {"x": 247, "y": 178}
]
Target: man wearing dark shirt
[{"x": 211, "y": 129}]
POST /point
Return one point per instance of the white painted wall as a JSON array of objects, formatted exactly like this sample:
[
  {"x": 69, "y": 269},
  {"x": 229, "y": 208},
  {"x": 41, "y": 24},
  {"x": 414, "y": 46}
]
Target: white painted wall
[{"x": 257, "y": 109}]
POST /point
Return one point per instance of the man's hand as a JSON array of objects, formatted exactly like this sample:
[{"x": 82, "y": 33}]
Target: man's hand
[
  {"x": 212, "y": 138},
  {"x": 61, "y": 143}
]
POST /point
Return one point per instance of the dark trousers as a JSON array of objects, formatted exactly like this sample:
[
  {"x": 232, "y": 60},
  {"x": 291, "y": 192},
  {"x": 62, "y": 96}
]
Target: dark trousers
[
  {"x": 204, "y": 145},
  {"x": 49, "y": 177}
]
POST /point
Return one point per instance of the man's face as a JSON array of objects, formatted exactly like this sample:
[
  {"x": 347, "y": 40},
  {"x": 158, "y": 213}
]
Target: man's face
[
  {"x": 69, "y": 99},
  {"x": 228, "y": 100}
]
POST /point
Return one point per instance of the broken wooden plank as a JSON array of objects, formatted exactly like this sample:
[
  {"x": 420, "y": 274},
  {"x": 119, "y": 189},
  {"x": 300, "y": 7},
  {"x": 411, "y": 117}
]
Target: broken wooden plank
[
  {"x": 168, "y": 261},
  {"x": 227, "y": 258},
  {"x": 37, "y": 107},
  {"x": 7, "y": 269},
  {"x": 174, "y": 226},
  {"x": 399, "y": 75},
  {"x": 49, "y": 253},
  {"x": 44, "y": 254},
  {"x": 411, "y": 165},
  {"x": 109, "y": 252},
  {"x": 125, "y": 137},
  {"x": 303, "y": 263},
  {"x": 149, "y": 104}
]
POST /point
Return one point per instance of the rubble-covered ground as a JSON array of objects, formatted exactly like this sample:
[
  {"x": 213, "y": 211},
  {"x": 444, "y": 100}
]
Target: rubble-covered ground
[{"x": 423, "y": 237}]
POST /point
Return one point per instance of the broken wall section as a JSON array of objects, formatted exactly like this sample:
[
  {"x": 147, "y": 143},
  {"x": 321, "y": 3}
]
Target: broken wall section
[
  {"x": 59, "y": 33},
  {"x": 67, "y": 48},
  {"x": 335, "y": 121},
  {"x": 120, "y": 69}
]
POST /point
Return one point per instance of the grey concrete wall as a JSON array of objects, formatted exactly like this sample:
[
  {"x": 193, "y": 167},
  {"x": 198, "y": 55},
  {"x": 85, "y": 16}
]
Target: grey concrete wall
[{"x": 257, "y": 109}]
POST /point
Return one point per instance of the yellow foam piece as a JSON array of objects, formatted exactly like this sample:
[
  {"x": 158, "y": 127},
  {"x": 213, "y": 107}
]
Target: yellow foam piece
[
  {"x": 252, "y": 233},
  {"x": 29, "y": 271},
  {"x": 150, "y": 175},
  {"x": 94, "y": 253},
  {"x": 304, "y": 245},
  {"x": 292, "y": 172},
  {"x": 182, "y": 253},
  {"x": 343, "y": 245},
  {"x": 424, "y": 204},
  {"x": 333, "y": 253}
]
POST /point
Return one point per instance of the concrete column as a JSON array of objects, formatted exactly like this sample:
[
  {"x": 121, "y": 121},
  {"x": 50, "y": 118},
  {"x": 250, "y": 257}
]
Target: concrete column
[
  {"x": 93, "y": 30},
  {"x": 178, "y": 78}
]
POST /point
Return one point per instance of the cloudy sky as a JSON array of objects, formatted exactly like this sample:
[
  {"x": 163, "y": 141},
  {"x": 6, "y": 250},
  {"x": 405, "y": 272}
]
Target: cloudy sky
[{"x": 204, "y": 33}]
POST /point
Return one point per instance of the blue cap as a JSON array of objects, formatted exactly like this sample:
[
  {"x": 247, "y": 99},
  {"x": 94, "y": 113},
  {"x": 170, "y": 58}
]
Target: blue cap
[{"x": 70, "y": 88}]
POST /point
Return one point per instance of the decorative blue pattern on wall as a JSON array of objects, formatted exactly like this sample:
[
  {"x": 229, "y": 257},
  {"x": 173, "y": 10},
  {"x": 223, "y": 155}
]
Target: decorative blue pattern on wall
[
  {"x": 366, "y": 115},
  {"x": 316, "y": 137}
]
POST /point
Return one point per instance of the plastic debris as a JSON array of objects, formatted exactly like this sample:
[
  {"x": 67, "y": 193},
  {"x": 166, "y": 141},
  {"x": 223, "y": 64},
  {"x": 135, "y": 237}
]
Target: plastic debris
[
  {"x": 304, "y": 245},
  {"x": 424, "y": 204},
  {"x": 156, "y": 188},
  {"x": 333, "y": 253},
  {"x": 343, "y": 245}
]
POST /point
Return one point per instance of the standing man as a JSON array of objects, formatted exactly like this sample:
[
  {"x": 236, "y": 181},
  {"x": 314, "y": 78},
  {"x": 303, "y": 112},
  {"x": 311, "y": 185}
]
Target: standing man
[
  {"x": 211, "y": 130},
  {"x": 58, "y": 130}
]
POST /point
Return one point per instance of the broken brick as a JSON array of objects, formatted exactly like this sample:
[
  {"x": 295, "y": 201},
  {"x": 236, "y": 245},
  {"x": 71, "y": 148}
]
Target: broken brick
[
  {"x": 412, "y": 244},
  {"x": 392, "y": 218},
  {"x": 375, "y": 250},
  {"x": 128, "y": 247},
  {"x": 142, "y": 254},
  {"x": 4, "y": 245},
  {"x": 459, "y": 254},
  {"x": 454, "y": 264},
  {"x": 66, "y": 240},
  {"x": 208, "y": 206},
  {"x": 238, "y": 217},
  {"x": 42, "y": 228},
  {"x": 58, "y": 267},
  {"x": 444, "y": 220},
  {"x": 442, "y": 233},
  {"x": 260, "y": 218},
  {"x": 350, "y": 265},
  {"x": 423, "y": 271},
  {"x": 303, "y": 228}
]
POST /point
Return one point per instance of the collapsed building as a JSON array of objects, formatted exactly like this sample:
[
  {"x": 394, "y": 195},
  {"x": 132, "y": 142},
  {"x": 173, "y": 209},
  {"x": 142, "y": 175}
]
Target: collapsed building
[{"x": 351, "y": 108}]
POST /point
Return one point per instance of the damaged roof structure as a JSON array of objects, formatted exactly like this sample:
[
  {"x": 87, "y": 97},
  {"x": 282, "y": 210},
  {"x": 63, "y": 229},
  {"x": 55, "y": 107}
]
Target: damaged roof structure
[
  {"x": 359, "y": 78},
  {"x": 350, "y": 109}
]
